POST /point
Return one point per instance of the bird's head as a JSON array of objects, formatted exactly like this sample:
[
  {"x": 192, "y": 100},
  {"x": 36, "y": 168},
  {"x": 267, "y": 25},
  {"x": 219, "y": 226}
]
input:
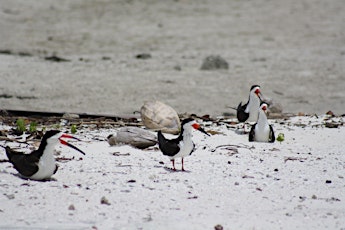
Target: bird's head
[
  {"x": 189, "y": 123},
  {"x": 264, "y": 107},
  {"x": 256, "y": 91},
  {"x": 55, "y": 136}
]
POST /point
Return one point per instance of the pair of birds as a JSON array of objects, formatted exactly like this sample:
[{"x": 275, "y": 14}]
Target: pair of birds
[
  {"x": 41, "y": 165},
  {"x": 255, "y": 111}
]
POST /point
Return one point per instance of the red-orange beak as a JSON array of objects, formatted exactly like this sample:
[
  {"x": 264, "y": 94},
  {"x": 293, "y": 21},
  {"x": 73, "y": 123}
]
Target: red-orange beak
[
  {"x": 68, "y": 144},
  {"x": 198, "y": 127}
]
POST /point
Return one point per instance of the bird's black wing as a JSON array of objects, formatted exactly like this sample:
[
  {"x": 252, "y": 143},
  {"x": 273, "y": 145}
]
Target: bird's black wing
[
  {"x": 252, "y": 133},
  {"x": 25, "y": 164},
  {"x": 242, "y": 116},
  {"x": 168, "y": 147},
  {"x": 271, "y": 137}
]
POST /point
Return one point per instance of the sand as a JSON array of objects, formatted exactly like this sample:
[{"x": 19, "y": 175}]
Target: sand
[
  {"x": 296, "y": 184},
  {"x": 294, "y": 49}
]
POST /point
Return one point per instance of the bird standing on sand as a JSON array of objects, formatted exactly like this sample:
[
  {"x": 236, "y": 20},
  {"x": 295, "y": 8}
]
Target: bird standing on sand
[
  {"x": 248, "y": 111},
  {"x": 39, "y": 164},
  {"x": 262, "y": 131},
  {"x": 181, "y": 146}
]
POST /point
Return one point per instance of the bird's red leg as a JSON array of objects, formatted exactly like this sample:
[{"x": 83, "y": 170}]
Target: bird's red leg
[
  {"x": 173, "y": 163},
  {"x": 182, "y": 165}
]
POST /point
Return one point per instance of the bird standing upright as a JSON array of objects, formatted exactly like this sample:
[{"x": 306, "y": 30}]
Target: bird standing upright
[
  {"x": 248, "y": 111},
  {"x": 181, "y": 146},
  {"x": 262, "y": 131},
  {"x": 39, "y": 164}
]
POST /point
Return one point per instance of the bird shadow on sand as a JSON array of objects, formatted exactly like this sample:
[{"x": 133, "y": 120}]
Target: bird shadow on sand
[
  {"x": 176, "y": 171},
  {"x": 28, "y": 179}
]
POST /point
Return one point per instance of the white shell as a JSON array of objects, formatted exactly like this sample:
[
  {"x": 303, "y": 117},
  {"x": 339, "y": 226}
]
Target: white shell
[
  {"x": 134, "y": 136},
  {"x": 159, "y": 116}
]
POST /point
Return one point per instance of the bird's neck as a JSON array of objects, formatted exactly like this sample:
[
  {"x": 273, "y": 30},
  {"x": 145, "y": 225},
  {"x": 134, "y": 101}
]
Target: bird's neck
[
  {"x": 262, "y": 119},
  {"x": 254, "y": 102},
  {"x": 48, "y": 150},
  {"x": 186, "y": 135}
]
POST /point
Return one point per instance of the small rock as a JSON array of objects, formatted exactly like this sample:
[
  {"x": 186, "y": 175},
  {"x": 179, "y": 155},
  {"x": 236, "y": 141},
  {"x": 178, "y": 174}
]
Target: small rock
[
  {"x": 71, "y": 207},
  {"x": 10, "y": 196},
  {"x": 237, "y": 183},
  {"x": 131, "y": 181},
  {"x": 214, "y": 63},
  {"x": 143, "y": 56},
  {"x": 328, "y": 181},
  {"x": 218, "y": 227},
  {"x": 330, "y": 113},
  {"x": 105, "y": 201},
  {"x": 314, "y": 197}
]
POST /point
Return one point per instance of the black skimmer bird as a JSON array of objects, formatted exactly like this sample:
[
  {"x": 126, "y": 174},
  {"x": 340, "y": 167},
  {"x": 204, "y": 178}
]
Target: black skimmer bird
[
  {"x": 181, "y": 146},
  {"x": 262, "y": 131},
  {"x": 40, "y": 164},
  {"x": 248, "y": 111}
]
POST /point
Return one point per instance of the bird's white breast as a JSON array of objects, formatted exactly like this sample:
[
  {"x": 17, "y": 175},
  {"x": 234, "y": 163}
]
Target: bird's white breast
[{"x": 46, "y": 165}]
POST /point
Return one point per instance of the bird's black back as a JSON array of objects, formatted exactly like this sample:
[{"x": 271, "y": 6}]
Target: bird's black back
[
  {"x": 252, "y": 133},
  {"x": 242, "y": 116},
  {"x": 168, "y": 147},
  {"x": 25, "y": 164}
]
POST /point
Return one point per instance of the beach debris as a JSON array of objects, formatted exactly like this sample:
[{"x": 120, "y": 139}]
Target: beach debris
[
  {"x": 55, "y": 58},
  {"x": 218, "y": 227},
  {"x": 300, "y": 159},
  {"x": 214, "y": 62},
  {"x": 158, "y": 116},
  {"x": 143, "y": 56},
  {"x": 330, "y": 113},
  {"x": 137, "y": 137},
  {"x": 105, "y": 201}
]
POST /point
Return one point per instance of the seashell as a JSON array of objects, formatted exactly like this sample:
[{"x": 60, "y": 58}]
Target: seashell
[
  {"x": 158, "y": 116},
  {"x": 137, "y": 137}
]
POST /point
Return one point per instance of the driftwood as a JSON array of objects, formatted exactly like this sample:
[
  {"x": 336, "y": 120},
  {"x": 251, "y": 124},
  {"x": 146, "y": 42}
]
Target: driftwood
[{"x": 137, "y": 137}]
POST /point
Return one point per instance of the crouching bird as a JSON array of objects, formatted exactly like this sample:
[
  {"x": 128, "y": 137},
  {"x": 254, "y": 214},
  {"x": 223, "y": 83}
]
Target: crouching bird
[
  {"x": 262, "y": 131},
  {"x": 39, "y": 164},
  {"x": 181, "y": 146}
]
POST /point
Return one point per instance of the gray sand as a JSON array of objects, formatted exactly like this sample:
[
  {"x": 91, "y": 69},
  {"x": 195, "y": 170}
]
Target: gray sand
[{"x": 294, "y": 49}]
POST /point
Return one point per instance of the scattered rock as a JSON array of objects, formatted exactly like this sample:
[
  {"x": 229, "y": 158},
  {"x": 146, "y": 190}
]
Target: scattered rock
[
  {"x": 71, "y": 207},
  {"x": 143, "y": 56},
  {"x": 328, "y": 181},
  {"x": 105, "y": 201},
  {"x": 218, "y": 227},
  {"x": 10, "y": 196},
  {"x": 330, "y": 113},
  {"x": 54, "y": 58},
  {"x": 214, "y": 63}
]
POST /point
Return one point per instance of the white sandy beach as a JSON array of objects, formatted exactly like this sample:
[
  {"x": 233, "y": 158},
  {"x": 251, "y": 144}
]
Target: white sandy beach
[
  {"x": 296, "y": 184},
  {"x": 294, "y": 49}
]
